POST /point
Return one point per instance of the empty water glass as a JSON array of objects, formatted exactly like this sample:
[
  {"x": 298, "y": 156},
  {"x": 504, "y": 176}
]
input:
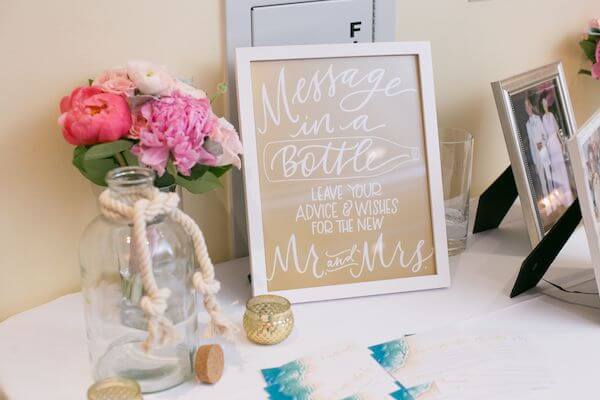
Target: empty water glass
[{"x": 456, "y": 148}]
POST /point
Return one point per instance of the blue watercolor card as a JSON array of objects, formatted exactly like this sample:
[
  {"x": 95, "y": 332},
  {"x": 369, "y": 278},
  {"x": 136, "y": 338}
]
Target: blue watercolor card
[{"x": 344, "y": 372}]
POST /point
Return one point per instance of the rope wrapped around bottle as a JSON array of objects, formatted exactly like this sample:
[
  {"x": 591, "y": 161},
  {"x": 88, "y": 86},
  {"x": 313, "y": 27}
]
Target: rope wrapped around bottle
[{"x": 139, "y": 208}]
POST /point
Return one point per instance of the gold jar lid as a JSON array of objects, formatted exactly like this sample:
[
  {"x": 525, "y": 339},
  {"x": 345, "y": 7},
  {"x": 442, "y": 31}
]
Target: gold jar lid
[
  {"x": 115, "y": 389},
  {"x": 268, "y": 319}
]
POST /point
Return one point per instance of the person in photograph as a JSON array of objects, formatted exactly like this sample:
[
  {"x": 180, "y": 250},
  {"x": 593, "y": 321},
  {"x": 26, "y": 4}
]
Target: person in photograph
[
  {"x": 593, "y": 164},
  {"x": 560, "y": 176},
  {"x": 539, "y": 152}
]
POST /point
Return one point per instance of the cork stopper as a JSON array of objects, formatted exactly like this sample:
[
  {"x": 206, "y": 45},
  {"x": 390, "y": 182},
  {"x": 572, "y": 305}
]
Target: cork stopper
[{"x": 209, "y": 363}]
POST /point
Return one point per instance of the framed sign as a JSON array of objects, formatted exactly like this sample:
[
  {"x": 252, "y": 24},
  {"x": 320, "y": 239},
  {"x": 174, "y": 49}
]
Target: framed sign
[
  {"x": 342, "y": 170},
  {"x": 584, "y": 149},
  {"x": 537, "y": 120}
]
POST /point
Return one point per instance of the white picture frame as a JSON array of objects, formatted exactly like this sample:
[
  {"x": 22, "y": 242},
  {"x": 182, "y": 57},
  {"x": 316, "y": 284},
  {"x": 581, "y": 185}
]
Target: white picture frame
[
  {"x": 245, "y": 57},
  {"x": 588, "y": 183}
]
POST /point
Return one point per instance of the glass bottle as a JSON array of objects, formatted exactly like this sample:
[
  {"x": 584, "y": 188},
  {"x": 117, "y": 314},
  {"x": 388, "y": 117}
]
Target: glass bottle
[{"x": 112, "y": 290}]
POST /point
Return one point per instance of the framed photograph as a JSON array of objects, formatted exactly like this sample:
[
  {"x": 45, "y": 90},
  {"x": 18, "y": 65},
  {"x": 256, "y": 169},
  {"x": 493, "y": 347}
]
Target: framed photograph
[
  {"x": 537, "y": 119},
  {"x": 342, "y": 170},
  {"x": 584, "y": 149}
]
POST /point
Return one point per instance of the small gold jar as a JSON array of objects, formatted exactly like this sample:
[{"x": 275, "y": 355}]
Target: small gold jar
[{"x": 268, "y": 319}]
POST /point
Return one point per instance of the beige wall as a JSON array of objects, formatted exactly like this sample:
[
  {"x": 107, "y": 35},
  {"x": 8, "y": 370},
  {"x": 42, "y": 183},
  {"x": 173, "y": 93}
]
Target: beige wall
[
  {"x": 479, "y": 42},
  {"x": 48, "y": 47}
]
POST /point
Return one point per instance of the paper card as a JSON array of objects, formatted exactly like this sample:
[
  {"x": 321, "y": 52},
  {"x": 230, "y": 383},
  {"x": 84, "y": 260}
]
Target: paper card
[
  {"x": 312, "y": 366},
  {"x": 428, "y": 391},
  {"x": 357, "y": 388},
  {"x": 464, "y": 367},
  {"x": 374, "y": 391},
  {"x": 337, "y": 373}
]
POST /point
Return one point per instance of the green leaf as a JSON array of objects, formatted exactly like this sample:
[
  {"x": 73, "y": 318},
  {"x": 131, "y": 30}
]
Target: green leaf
[
  {"x": 171, "y": 169},
  {"x": 222, "y": 88},
  {"x": 93, "y": 170},
  {"x": 585, "y": 72},
  {"x": 165, "y": 180},
  {"x": 96, "y": 170},
  {"x": 204, "y": 184},
  {"x": 90, "y": 81},
  {"x": 130, "y": 158},
  {"x": 220, "y": 171},
  {"x": 589, "y": 48},
  {"x": 78, "y": 155},
  {"x": 198, "y": 171},
  {"x": 202, "y": 178},
  {"x": 104, "y": 150}
]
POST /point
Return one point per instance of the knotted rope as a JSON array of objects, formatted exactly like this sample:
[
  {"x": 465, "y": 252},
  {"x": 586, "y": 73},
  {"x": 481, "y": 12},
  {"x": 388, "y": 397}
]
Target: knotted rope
[{"x": 138, "y": 209}]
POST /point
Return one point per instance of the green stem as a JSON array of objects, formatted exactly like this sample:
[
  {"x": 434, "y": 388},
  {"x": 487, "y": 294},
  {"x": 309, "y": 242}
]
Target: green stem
[{"x": 120, "y": 159}]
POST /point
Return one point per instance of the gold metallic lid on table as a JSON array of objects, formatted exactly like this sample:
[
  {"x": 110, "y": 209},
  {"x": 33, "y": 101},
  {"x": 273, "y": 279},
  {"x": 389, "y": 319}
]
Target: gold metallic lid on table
[
  {"x": 268, "y": 319},
  {"x": 115, "y": 389}
]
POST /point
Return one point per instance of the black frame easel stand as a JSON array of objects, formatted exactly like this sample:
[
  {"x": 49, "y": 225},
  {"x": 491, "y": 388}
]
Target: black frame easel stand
[{"x": 493, "y": 206}]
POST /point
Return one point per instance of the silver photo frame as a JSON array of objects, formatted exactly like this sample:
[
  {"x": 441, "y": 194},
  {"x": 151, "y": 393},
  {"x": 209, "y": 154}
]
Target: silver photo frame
[{"x": 542, "y": 203}]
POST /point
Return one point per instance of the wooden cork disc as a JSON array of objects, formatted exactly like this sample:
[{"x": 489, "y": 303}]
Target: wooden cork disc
[{"x": 209, "y": 363}]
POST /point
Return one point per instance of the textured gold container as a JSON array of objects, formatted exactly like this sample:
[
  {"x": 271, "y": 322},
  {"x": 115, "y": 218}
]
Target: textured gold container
[
  {"x": 268, "y": 319},
  {"x": 115, "y": 389}
]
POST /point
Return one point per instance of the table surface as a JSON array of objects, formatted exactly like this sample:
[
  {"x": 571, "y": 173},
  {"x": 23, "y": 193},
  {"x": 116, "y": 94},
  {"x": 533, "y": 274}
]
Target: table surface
[{"x": 43, "y": 352}]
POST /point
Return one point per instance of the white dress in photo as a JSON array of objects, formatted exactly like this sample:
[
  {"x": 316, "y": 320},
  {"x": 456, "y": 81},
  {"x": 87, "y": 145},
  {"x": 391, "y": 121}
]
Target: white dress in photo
[
  {"x": 540, "y": 154},
  {"x": 560, "y": 175}
]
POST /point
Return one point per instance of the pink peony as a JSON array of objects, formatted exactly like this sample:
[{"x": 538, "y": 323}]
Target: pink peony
[
  {"x": 596, "y": 66},
  {"x": 90, "y": 116},
  {"x": 595, "y": 23},
  {"x": 115, "y": 81},
  {"x": 176, "y": 125},
  {"x": 224, "y": 134},
  {"x": 138, "y": 123}
]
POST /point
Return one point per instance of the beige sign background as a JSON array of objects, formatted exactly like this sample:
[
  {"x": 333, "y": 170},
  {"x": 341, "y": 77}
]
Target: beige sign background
[{"x": 342, "y": 170}]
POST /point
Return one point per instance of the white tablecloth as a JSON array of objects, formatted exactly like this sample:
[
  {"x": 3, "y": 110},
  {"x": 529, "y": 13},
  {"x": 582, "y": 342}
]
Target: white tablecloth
[{"x": 43, "y": 353}]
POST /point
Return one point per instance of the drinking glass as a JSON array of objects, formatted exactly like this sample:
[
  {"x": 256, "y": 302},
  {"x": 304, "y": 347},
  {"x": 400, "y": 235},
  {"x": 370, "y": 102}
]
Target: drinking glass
[{"x": 456, "y": 148}]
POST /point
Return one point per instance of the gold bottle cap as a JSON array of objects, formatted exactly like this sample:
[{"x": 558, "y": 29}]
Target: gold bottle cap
[{"x": 115, "y": 389}]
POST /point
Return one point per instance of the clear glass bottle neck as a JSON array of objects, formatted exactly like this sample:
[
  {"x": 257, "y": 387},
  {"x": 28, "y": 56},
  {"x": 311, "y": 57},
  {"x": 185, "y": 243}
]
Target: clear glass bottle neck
[{"x": 127, "y": 182}]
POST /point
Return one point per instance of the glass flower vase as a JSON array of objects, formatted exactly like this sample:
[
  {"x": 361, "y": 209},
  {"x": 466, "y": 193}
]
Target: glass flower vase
[{"x": 112, "y": 290}]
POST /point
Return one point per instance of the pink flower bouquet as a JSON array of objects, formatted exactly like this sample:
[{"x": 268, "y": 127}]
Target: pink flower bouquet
[
  {"x": 590, "y": 45},
  {"x": 141, "y": 115}
]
